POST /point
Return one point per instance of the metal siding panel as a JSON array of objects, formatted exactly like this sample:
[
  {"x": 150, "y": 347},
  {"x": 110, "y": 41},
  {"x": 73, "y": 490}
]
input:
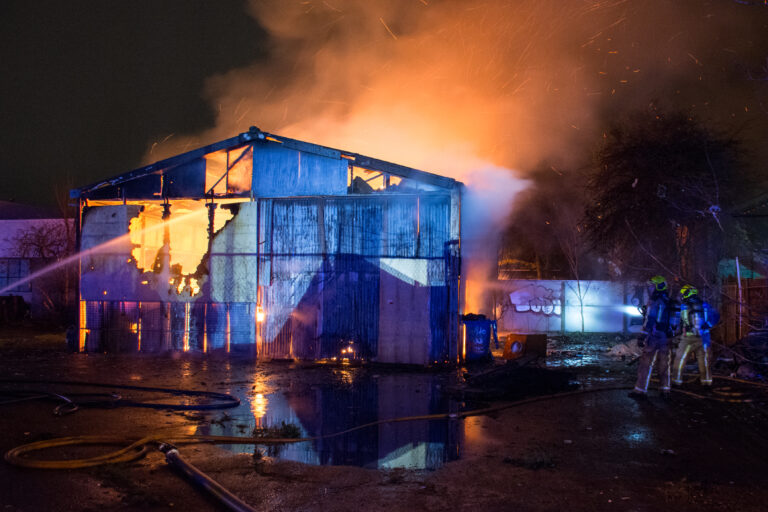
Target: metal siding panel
[
  {"x": 371, "y": 243},
  {"x": 345, "y": 233},
  {"x": 197, "y": 326},
  {"x": 404, "y": 326},
  {"x": 438, "y": 321},
  {"x": 399, "y": 226},
  {"x": 291, "y": 281},
  {"x": 265, "y": 241},
  {"x": 455, "y": 218},
  {"x": 152, "y": 326},
  {"x": 241, "y": 324},
  {"x": 116, "y": 335},
  {"x": 295, "y": 227},
  {"x": 452, "y": 258},
  {"x": 331, "y": 216},
  {"x": 350, "y": 306},
  {"x": 305, "y": 320},
  {"x": 284, "y": 172},
  {"x": 216, "y": 326},
  {"x": 359, "y": 227},
  {"x": 434, "y": 225}
]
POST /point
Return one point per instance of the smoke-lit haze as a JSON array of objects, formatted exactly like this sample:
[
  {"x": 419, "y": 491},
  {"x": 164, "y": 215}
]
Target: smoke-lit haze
[
  {"x": 482, "y": 91},
  {"x": 426, "y": 82}
]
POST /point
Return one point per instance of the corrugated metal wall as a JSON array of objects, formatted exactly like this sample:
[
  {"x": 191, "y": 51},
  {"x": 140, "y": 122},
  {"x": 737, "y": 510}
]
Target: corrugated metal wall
[
  {"x": 322, "y": 261},
  {"x": 281, "y": 172},
  {"x": 319, "y": 262}
]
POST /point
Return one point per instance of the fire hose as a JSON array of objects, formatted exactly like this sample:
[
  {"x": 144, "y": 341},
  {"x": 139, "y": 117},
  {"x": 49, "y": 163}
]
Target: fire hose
[
  {"x": 202, "y": 480},
  {"x": 111, "y": 400},
  {"x": 166, "y": 443}
]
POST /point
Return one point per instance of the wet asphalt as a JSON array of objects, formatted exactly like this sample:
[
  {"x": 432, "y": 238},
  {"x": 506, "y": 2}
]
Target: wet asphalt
[{"x": 590, "y": 450}]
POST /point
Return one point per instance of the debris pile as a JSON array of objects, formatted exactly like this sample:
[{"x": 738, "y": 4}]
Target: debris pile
[
  {"x": 747, "y": 358},
  {"x": 625, "y": 349}
]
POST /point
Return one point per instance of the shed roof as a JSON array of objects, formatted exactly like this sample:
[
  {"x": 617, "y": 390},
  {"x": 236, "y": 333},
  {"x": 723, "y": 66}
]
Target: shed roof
[{"x": 256, "y": 135}]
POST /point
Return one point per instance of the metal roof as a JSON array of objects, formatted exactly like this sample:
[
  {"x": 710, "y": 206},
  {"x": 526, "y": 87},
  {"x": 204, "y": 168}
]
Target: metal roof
[{"x": 256, "y": 135}]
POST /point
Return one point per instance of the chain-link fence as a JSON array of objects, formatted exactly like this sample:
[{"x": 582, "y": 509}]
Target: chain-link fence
[{"x": 124, "y": 326}]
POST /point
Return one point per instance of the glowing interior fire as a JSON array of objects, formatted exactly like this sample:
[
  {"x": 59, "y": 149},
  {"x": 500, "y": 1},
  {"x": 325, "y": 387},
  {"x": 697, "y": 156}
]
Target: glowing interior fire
[
  {"x": 375, "y": 179},
  {"x": 188, "y": 239},
  {"x": 83, "y": 323},
  {"x": 238, "y": 180}
]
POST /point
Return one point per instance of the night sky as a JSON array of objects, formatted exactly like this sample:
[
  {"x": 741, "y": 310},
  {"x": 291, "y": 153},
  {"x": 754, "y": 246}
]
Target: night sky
[
  {"x": 91, "y": 89},
  {"x": 87, "y": 85}
]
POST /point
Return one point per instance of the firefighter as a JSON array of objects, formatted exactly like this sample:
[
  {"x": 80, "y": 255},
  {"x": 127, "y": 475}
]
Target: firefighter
[
  {"x": 697, "y": 319},
  {"x": 657, "y": 331}
]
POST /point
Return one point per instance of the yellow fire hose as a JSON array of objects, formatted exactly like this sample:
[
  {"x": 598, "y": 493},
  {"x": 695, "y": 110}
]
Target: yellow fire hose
[
  {"x": 136, "y": 448},
  {"x": 721, "y": 394}
]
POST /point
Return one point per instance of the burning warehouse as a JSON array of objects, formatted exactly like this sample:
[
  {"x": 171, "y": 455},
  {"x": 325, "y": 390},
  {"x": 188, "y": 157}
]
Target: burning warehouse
[{"x": 273, "y": 247}]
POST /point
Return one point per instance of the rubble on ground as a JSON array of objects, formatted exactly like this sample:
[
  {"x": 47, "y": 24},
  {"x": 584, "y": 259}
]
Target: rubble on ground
[{"x": 625, "y": 349}]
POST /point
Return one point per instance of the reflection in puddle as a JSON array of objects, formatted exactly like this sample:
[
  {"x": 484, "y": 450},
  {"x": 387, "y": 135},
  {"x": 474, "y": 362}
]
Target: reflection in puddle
[
  {"x": 259, "y": 406},
  {"x": 568, "y": 359},
  {"x": 350, "y": 401},
  {"x": 641, "y": 435}
]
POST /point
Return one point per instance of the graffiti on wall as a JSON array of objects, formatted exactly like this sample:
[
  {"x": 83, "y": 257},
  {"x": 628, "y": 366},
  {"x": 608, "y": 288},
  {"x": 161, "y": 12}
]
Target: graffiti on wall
[{"x": 536, "y": 299}]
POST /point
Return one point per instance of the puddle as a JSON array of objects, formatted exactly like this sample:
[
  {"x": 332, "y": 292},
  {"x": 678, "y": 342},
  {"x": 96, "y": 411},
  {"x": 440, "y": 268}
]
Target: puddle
[
  {"x": 572, "y": 359},
  {"x": 321, "y": 400},
  {"x": 638, "y": 436},
  {"x": 351, "y": 398},
  {"x": 577, "y": 354}
]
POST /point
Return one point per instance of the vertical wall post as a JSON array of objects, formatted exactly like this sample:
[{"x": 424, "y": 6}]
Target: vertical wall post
[
  {"x": 166, "y": 263},
  {"x": 741, "y": 297},
  {"x": 211, "y": 218},
  {"x": 563, "y": 307},
  {"x": 257, "y": 341},
  {"x": 81, "y": 313}
]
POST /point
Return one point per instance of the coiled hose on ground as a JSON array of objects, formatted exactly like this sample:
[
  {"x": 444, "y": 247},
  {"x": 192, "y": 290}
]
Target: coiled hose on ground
[
  {"x": 136, "y": 448},
  {"x": 110, "y": 400}
]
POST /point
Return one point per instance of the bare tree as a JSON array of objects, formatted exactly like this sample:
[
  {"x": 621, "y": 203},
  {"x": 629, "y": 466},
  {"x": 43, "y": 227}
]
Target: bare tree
[
  {"x": 49, "y": 241},
  {"x": 571, "y": 238},
  {"x": 546, "y": 228},
  {"x": 658, "y": 195}
]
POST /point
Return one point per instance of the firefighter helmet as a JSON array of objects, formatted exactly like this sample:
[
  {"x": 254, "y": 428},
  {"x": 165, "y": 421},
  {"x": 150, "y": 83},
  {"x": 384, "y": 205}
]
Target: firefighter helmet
[
  {"x": 659, "y": 283},
  {"x": 688, "y": 291}
]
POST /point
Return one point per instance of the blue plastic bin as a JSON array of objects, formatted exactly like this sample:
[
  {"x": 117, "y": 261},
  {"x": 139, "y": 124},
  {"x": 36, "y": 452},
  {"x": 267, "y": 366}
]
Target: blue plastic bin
[{"x": 478, "y": 338}]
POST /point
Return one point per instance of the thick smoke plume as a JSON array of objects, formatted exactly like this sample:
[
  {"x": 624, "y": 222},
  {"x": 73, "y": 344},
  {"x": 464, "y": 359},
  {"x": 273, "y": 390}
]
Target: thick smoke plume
[{"x": 477, "y": 90}]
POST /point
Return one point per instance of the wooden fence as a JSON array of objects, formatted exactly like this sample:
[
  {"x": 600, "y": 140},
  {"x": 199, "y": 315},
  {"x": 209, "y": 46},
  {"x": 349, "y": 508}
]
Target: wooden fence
[{"x": 741, "y": 316}]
